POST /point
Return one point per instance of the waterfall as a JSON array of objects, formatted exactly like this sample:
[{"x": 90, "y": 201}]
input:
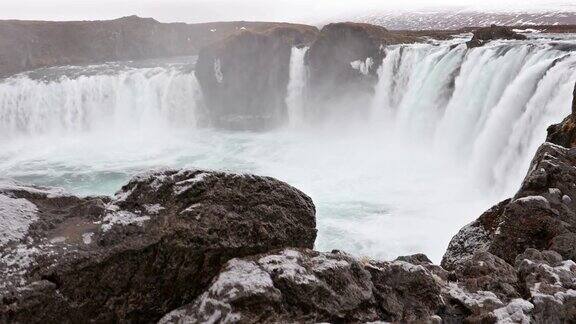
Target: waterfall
[
  {"x": 296, "y": 87},
  {"x": 133, "y": 98},
  {"x": 489, "y": 107}
]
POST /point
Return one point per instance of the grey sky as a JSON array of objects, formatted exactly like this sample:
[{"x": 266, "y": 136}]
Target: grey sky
[{"x": 215, "y": 10}]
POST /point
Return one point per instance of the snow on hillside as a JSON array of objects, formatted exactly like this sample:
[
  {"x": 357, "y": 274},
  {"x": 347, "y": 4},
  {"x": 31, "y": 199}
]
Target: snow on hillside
[{"x": 456, "y": 19}]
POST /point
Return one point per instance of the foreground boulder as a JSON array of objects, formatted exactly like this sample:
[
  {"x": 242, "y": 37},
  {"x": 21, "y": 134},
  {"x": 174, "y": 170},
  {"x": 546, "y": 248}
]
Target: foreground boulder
[
  {"x": 152, "y": 248},
  {"x": 245, "y": 76},
  {"x": 304, "y": 286},
  {"x": 484, "y": 35}
]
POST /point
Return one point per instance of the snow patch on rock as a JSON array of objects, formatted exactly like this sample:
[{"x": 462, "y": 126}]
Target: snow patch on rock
[
  {"x": 363, "y": 66},
  {"x": 473, "y": 300},
  {"x": 185, "y": 185},
  {"x": 517, "y": 311},
  {"x": 87, "y": 238},
  {"x": 122, "y": 218},
  {"x": 286, "y": 265},
  {"x": 12, "y": 185},
  {"x": 153, "y": 209},
  {"x": 16, "y": 215}
]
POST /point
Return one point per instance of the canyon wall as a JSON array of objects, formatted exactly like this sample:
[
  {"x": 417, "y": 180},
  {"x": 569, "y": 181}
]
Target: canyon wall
[{"x": 28, "y": 45}]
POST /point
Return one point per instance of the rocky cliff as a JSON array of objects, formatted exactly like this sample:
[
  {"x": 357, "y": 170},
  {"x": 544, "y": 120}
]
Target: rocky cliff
[
  {"x": 28, "y": 45},
  {"x": 244, "y": 77}
]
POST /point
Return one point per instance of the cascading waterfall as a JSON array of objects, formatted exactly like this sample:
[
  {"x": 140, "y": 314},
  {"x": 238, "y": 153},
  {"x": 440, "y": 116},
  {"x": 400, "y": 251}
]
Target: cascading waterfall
[
  {"x": 450, "y": 131},
  {"x": 134, "y": 98},
  {"x": 487, "y": 106},
  {"x": 296, "y": 86}
]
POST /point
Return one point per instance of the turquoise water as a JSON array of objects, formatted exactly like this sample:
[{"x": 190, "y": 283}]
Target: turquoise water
[{"x": 375, "y": 197}]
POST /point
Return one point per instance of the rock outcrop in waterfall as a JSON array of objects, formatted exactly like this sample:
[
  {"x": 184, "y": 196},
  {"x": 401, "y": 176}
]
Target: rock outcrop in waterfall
[
  {"x": 245, "y": 76},
  {"x": 486, "y": 34},
  {"x": 343, "y": 62},
  {"x": 564, "y": 133}
]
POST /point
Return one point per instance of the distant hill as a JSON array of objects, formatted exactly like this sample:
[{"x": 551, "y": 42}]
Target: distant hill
[{"x": 457, "y": 19}]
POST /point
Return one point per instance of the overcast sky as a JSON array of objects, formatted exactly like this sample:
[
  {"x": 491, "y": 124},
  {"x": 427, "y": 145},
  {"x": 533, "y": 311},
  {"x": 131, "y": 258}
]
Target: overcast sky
[{"x": 218, "y": 10}]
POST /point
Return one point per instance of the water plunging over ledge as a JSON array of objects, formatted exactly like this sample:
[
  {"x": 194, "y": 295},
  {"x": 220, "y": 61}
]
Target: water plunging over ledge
[{"x": 450, "y": 131}]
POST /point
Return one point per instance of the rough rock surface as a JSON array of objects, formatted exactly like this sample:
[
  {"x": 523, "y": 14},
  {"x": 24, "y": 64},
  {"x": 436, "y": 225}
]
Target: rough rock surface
[
  {"x": 484, "y": 35},
  {"x": 304, "y": 286},
  {"x": 540, "y": 214},
  {"x": 245, "y": 76},
  {"x": 152, "y": 248},
  {"x": 564, "y": 133},
  {"x": 343, "y": 64},
  {"x": 28, "y": 45}
]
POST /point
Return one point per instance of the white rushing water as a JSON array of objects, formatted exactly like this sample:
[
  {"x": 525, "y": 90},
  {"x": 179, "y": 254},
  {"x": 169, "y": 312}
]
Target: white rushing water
[
  {"x": 130, "y": 98},
  {"x": 488, "y": 107},
  {"x": 295, "y": 99},
  {"x": 452, "y": 131}
]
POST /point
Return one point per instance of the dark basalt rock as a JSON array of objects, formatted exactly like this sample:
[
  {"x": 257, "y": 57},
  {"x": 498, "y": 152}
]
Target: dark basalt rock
[
  {"x": 245, "y": 76},
  {"x": 539, "y": 214},
  {"x": 304, "y": 286},
  {"x": 564, "y": 133},
  {"x": 343, "y": 64},
  {"x": 154, "y": 247},
  {"x": 549, "y": 283},
  {"x": 484, "y": 35}
]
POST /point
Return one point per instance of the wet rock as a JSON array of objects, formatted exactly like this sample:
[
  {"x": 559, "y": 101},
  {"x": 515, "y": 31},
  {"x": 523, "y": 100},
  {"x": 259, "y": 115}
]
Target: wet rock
[
  {"x": 304, "y": 286},
  {"x": 484, "y": 35},
  {"x": 245, "y": 76},
  {"x": 153, "y": 247},
  {"x": 343, "y": 64},
  {"x": 564, "y": 133}
]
